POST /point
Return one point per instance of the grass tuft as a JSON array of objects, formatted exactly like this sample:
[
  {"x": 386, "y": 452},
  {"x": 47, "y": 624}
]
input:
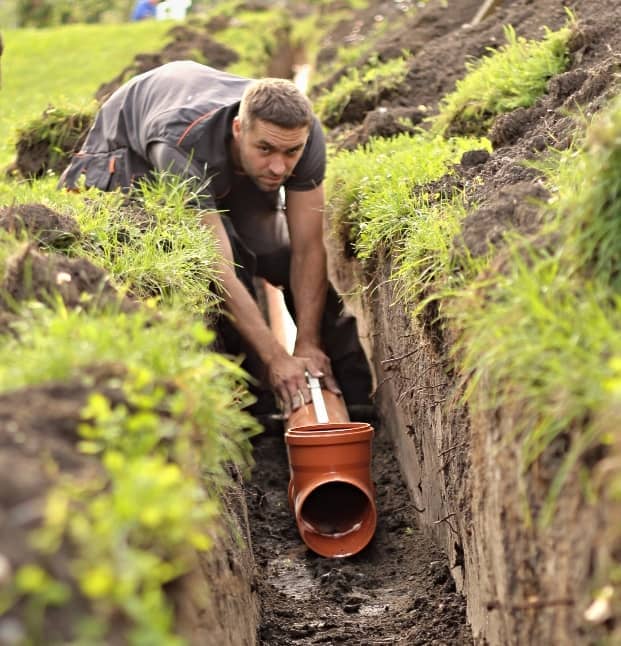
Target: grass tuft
[
  {"x": 512, "y": 77},
  {"x": 372, "y": 198},
  {"x": 155, "y": 245},
  {"x": 589, "y": 213},
  {"x": 59, "y": 131},
  {"x": 362, "y": 87}
]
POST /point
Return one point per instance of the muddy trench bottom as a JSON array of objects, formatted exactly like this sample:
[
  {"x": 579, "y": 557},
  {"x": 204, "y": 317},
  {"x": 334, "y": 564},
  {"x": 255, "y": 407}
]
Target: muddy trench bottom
[{"x": 398, "y": 590}]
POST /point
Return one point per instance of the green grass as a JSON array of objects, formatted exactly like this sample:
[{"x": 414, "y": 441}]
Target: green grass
[
  {"x": 363, "y": 86},
  {"x": 541, "y": 339},
  {"x": 512, "y": 77},
  {"x": 57, "y": 130},
  {"x": 588, "y": 213},
  {"x": 64, "y": 66},
  {"x": 131, "y": 527},
  {"x": 56, "y": 345},
  {"x": 155, "y": 249},
  {"x": 429, "y": 264},
  {"x": 544, "y": 333},
  {"x": 371, "y": 190}
]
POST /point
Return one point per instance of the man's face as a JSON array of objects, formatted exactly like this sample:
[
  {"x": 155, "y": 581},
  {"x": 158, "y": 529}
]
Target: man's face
[{"x": 268, "y": 153}]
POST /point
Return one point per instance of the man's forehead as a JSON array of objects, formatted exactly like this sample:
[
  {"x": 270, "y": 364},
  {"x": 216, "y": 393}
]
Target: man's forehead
[{"x": 264, "y": 131}]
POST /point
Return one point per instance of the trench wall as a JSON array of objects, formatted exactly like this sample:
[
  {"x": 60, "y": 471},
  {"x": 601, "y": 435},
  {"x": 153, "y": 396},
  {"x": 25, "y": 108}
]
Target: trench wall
[
  {"x": 217, "y": 603},
  {"x": 523, "y": 584}
]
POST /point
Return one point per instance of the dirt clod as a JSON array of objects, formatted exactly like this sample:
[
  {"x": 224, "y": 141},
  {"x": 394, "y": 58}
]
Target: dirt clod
[{"x": 46, "y": 227}]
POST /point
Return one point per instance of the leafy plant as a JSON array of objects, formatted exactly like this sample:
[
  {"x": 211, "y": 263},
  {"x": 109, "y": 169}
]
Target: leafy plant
[
  {"x": 39, "y": 591},
  {"x": 132, "y": 531}
]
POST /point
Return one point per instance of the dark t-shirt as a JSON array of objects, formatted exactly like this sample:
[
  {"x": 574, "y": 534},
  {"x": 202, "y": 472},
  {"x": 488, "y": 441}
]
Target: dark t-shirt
[{"x": 190, "y": 107}]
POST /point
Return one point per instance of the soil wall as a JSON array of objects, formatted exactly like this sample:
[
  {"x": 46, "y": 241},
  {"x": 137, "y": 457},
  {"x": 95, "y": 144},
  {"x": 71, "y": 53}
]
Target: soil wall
[
  {"x": 217, "y": 603},
  {"x": 523, "y": 585}
]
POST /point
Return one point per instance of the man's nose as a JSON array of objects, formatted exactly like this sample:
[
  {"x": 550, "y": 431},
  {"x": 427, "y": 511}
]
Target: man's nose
[{"x": 277, "y": 165}]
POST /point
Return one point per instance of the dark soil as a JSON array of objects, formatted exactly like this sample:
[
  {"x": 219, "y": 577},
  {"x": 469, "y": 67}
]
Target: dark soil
[
  {"x": 43, "y": 275},
  {"x": 33, "y": 275},
  {"x": 38, "y": 432},
  {"x": 40, "y": 223},
  {"x": 397, "y": 590}
]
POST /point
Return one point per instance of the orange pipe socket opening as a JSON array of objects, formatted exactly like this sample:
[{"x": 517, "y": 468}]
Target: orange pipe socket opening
[{"x": 331, "y": 491}]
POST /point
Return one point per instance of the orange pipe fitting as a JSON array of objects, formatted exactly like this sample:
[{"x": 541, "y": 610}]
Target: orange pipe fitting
[
  {"x": 331, "y": 491},
  {"x": 306, "y": 414}
]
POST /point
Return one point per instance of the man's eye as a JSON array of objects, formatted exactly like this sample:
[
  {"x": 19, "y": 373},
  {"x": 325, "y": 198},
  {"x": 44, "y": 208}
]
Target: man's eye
[{"x": 265, "y": 149}]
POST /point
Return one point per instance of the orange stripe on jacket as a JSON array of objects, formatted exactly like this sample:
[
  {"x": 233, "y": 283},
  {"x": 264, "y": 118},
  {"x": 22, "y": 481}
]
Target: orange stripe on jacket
[{"x": 195, "y": 122}]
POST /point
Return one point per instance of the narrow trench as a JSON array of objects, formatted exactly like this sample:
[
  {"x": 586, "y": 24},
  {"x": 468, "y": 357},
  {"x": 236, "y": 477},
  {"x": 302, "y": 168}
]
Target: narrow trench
[{"x": 398, "y": 590}]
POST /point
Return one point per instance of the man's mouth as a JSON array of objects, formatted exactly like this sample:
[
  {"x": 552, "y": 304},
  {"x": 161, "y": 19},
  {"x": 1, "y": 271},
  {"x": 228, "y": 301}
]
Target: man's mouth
[{"x": 271, "y": 181}]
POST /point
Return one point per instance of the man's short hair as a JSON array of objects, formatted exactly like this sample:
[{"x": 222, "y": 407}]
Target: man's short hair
[{"x": 277, "y": 101}]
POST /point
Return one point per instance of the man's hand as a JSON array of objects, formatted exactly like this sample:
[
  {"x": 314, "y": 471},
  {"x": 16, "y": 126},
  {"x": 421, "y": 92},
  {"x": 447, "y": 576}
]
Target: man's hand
[
  {"x": 287, "y": 375},
  {"x": 320, "y": 363}
]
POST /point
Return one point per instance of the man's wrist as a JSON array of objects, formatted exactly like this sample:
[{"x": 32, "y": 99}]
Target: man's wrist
[
  {"x": 303, "y": 341},
  {"x": 272, "y": 352}
]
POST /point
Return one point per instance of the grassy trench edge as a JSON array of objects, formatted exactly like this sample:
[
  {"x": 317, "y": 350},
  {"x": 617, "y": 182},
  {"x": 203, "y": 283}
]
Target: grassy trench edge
[
  {"x": 544, "y": 330},
  {"x": 180, "y": 423},
  {"x": 162, "y": 454}
]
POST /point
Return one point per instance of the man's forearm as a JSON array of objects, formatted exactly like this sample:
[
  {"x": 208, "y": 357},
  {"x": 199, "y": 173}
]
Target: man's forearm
[
  {"x": 309, "y": 286},
  {"x": 248, "y": 320},
  {"x": 308, "y": 274},
  {"x": 286, "y": 374}
]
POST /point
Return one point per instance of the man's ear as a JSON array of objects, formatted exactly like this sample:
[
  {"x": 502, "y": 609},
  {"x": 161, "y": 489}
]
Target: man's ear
[{"x": 236, "y": 127}]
